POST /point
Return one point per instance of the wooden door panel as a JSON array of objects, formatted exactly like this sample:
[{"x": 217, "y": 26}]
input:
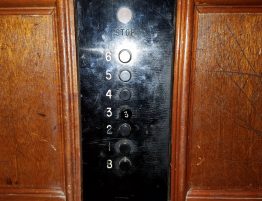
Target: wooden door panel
[
  {"x": 218, "y": 105},
  {"x": 36, "y": 197},
  {"x": 226, "y": 102},
  {"x": 27, "y": 3},
  {"x": 30, "y": 113},
  {"x": 39, "y": 145}
]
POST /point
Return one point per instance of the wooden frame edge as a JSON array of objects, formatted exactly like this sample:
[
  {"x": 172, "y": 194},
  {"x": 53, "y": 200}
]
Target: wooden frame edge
[
  {"x": 26, "y": 10},
  {"x": 229, "y": 9},
  {"x": 195, "y": 194},
  {"x": 76, "y": 145},
  {"x": 27, "y": 3},
  {"x": 184, "y": 34},
  {"x": 228, "y": 2},
  {"x": 71, "y": 100}
]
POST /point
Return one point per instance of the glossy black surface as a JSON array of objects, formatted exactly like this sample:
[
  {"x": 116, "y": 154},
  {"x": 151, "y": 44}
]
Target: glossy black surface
[{"x": 142, "y": 99}]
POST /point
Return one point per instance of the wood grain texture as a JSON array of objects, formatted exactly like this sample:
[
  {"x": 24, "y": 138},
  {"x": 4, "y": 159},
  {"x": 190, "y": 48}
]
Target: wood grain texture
[
  {"x": 33, "y": 195},
  {"x": 38, "y": 197},
  {"x": 27, "y": 3},
  {"x": 28, "y": 198},
  {"x": 217, "y": 122},
  {"x": 218, "y": 3},
  {"x": 39, "y": 114},
  {"x": 226, "y": 97},
  {"x": 220, "y": 195},
  {"x": 30, "y": 125}
]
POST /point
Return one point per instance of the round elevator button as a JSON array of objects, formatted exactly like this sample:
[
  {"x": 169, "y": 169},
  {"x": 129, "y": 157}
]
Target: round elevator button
[
  {"x": 125, "y": 94},
  {"x": 125, "y": 164},
  {"x": 125, "y": 130},
  {"x": 124, "y": 15},
  {"x": 126, "y": 114},
  {"x": 125, "y": 76},
  {"x": 125, "y": 148},
  {"x": 125, "y": 56}
]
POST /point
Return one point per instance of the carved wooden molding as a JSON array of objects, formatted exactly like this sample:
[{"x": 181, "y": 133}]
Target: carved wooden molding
[{"x": 27, "y": 11}]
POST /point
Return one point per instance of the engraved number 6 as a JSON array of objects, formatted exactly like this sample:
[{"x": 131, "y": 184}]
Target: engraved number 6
[{"x": 108, "y": 56}]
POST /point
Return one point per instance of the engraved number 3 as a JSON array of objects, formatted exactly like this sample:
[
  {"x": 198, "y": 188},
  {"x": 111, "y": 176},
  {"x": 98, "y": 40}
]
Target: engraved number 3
[{"x": 109, "y": 112}]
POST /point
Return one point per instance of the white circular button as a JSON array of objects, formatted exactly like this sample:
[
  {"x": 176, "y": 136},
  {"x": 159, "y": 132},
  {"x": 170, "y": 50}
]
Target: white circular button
[
  {"x": 124, "y": 15},
  {"x": 125, "y": 56},
  {"x": 125, "y": 76}
]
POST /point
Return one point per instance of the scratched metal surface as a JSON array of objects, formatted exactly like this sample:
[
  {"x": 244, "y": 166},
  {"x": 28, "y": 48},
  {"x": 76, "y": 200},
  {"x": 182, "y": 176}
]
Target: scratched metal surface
[{"x": 149, "y": 35}]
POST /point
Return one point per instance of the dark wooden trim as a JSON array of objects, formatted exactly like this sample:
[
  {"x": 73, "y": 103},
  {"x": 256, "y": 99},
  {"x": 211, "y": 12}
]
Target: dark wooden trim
[
  {"x": 229, "y": 2},
  {"x": 198, "y": 195},
  {"x": 229, "y": 9},
  {"x": 27, "y": 3},
  {"x": 27, "y": 10},
  {"x": 178, "y": 44},
  {"x": 32, "y": 197},
  {"x": 71, "y": 99},
  {"x": 75, "y": 144},
  {"x": 191, "y": 81},
  {"x": 185, "y": 13},
  {"x": 31, "y": 191}
]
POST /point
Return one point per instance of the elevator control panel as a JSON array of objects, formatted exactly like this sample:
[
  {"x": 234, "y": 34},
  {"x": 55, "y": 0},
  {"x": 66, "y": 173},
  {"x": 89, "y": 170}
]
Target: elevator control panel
[{"x": 125, "y": 56}]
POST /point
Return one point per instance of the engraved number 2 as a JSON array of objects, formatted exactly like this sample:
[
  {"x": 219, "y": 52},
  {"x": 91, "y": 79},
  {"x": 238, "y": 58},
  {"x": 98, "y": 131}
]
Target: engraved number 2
[{"x": 109, "y": 130}]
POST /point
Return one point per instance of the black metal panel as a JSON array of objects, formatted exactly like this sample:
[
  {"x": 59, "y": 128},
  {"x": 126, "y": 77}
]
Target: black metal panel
[{"x": 126, "y": 136}]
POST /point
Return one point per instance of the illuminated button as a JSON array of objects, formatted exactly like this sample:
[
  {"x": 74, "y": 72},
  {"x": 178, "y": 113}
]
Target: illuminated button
[
  {"x": 126, "y": 114},
  {"x": 125, "y": 95},
  {"x": 125, "y": 56},
  {"x": 125, "y": 76},
  {"x": 124, "y": 15},
  {"x": 125, "y": 129}
]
